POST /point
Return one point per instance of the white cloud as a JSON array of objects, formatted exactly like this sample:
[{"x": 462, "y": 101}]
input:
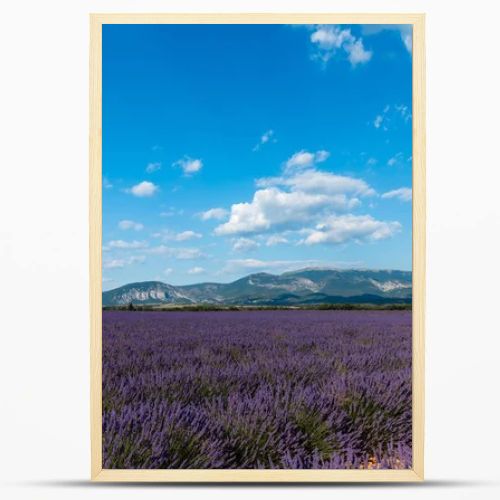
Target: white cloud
[
  {"x": 302, "y": 159},
  {"x": 390, "y": 116},
  {"x": 408, "y": 41},
  {"x": 305, "y": 159},
  {"x": 330, "y": 37},
  {"x": 307, "y": 201},
  {"x": 404, "y": 111},
  {"x": 292, "y": 201},
  {"x": 126, "y": 245},
  {"x": 397, "y": 158},
  {"x": 275, "y": 239},
  {"x": 114, "y": 263},
  {"x": 168, "y": 235},
  {"x": 405, "y": 31},
  {"x": 265, "y": 138},
  {"x": 106, "y": 184},
  {"x": 245, "y": 245},
  {"x": 188, "y": 253},
  {"x": 153, "y": 167},
  {"x": 161, "y": 250},
  {"x": 332, "y": 40},
  {"x": 402, "y": 194},
  {"x": 186, "y": 235},
  {"x": 196, "y": 270},
  {"x": 189, "y": 165},
  {"x": 168, "y": 271},
  {"x": 171, "y": 211},
  {"x": 317, "y": 181},
  {"x": 144, "y": 189},
  {"x": 214, "y": 213},
  {"x": 343, "y": 228},
  {"x": 357, "y": 53},
  {"x": 120, "y": 263},
  {"x": 130, "y": 224},
  {"x": 271, "y": 207},
  {"x": 177, "y": 253}
]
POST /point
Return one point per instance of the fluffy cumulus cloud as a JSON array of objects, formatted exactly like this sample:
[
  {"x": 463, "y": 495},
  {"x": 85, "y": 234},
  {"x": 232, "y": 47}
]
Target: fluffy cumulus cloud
[
  {"x": 343, "y": 228},
  {"x": 332, "y": 40},
  {"x": 143, "y": 189},
  {"x": 130, "y": 224},
  {"x": 245, "y": 245},
  {"x": 402, "y": 194},
  {"x": 214, "y": 213},
  {"x": 304, "y": 159},
  {"x": 189, "y": 166},
  {"x": 305, "y": 202},
  {"x": 270, "y": 208},
  {"x": 320, "y": 182},
  {"x": 293, "y": 201}
]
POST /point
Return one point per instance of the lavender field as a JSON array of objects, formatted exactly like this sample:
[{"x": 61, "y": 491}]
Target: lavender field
[{"x": 286, "y": 389}]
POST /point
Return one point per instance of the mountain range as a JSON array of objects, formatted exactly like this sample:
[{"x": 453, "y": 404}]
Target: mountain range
[{"x": 310, "y": 286}]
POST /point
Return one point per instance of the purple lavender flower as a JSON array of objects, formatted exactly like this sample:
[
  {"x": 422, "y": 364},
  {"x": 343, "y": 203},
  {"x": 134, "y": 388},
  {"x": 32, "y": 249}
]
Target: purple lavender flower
[{"x": 257, "y": 389}]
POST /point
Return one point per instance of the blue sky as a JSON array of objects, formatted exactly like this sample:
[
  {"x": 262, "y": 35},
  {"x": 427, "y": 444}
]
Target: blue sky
[{"x": 232, "y": 149}]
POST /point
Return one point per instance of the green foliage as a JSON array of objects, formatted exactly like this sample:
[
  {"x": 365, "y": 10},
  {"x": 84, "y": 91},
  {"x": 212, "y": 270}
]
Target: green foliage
[
  {"x": 318, "y": 435},
  {"x": 217, "y": 307}
]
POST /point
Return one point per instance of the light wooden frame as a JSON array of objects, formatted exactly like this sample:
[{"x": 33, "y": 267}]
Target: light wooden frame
[{"x": 246, "y": 475}]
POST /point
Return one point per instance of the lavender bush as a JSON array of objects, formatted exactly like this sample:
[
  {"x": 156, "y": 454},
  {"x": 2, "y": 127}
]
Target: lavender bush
[{"x": 259, "y": 389}]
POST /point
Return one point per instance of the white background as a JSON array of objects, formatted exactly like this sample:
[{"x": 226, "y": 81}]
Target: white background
[{"x": 44, "y": 440}]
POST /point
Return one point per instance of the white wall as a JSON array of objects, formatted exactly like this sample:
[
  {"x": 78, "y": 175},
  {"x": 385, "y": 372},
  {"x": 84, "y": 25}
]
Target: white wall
[{"x": 44, "y": 446}]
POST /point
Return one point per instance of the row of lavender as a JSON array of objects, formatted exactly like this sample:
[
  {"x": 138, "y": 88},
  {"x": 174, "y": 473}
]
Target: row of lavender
[{"x": 260, "y": 389}]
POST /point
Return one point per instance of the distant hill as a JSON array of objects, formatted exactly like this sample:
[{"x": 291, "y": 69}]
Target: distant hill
[{"x": 304, "y": 287}]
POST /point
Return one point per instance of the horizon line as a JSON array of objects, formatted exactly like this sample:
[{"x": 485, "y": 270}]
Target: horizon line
[{"x": 309, "y": 268}]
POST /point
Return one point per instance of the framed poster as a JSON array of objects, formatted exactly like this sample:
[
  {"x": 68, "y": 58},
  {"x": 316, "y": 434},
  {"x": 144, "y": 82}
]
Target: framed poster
[{"x": 257, "y": 247}]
